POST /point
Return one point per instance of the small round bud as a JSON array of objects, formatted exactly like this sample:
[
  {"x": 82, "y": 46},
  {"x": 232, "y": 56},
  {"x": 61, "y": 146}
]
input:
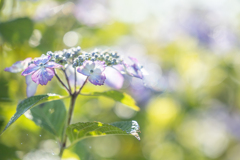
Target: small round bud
[
  {"x": 74, "y": 49},
  {"x": 96, "y": 55},
  {"x": 76, "y": 60},
  {"x": 56, "y": 56},
  {"x": 80, "y": 57},
  {"x": 30, "y": 62},
  {"x": 93, "y": 59},
  {"x": 75, "y": 64},
  {"x": 93, "y": 53},
  {"x": 64, "y": 51},
  {"x": 63, "y": 60},
  {"x": 107, "y": 57},
  {"x": 112, "y": 54},
  {"x": 80, "y": 63},
  {"x": 78, "y": 48},
  {"x": 49, "y": 53},
  {"x": 68, "y": 54}
]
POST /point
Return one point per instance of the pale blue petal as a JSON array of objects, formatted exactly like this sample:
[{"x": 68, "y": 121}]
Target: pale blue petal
[
  {"x": 97, "y": 79},
  {"x": 18, "y": 66},
  {"x": 30, "y": 69},
  {"x": 31, "y": 86},
  {"x": 43, "y": 59}
]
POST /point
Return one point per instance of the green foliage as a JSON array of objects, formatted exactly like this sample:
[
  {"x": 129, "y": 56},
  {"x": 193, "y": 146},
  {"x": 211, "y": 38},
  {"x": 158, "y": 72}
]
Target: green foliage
[
  {"x": 1, "y": 4},
  {"x": 124, "y": 98},
  {"x": 50, "y": 116},
  {"x": 16, "y": 31},
  {"x": 30, "y": 102},
  {"x": 7, "y": 153},
  {"x": 81, "y": 130}
]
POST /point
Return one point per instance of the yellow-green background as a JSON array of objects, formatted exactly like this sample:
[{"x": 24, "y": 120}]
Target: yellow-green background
[{"x": 191, "y": 114}]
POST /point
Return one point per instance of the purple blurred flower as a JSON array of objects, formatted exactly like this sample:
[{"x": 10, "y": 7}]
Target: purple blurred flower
[
  {"x": 114, "y": 78},
  {"x": 94, "y": 71},
  {"x": 41, "y": 70},
  {"x": 18, "y": 67},
  {"x": 92, "y": 12},
  {"x": 135, "y": 69}
]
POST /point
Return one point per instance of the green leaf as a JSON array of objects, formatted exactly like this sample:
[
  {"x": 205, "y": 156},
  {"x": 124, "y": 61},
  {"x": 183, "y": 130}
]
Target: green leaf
[
  {"x": 30, "y": 102},
  {"x": 50, "y": 116},
  {"x": 82, "y": 130},
  {"x": 17, "y": 31},
  {"x": 124, "y": 98}
]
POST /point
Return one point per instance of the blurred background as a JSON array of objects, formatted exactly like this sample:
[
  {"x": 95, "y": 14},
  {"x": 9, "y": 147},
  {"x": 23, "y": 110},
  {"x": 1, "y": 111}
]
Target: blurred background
[{"x": 189, "y": 102}]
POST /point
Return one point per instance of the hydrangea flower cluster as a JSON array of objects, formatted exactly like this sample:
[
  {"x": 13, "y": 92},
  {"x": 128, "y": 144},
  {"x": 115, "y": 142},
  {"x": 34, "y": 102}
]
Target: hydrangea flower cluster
[
  {"x": 90, "y": 64},
  {"x": 77, "y": 57}
]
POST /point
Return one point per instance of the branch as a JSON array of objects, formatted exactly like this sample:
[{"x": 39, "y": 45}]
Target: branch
[
  {"x": 61, "y": 81},
  {"x": 75, "y": 81},
  {"x": 69, "y": 86},
  {"x": 82, "y": 86}
]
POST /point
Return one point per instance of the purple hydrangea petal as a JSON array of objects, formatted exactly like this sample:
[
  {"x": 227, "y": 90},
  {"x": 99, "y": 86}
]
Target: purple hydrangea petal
[
  {"x": 43, "y": 59},
  {"x": 18, "y": 66},
  {"x": 43, "y": 75},
  {"x": 53, "y": 65},
  {"x": 114, "y": 78},
  {"x": 31, "y": 86},
  {"x": 100, "y": 65},
  {"x": 86, "y": 68},
  {"x": 134, "y": 71},
  {"x": 134, "y": 60},
  {"x": 94, "y": 71},
  {"x": 83, "y": 70},
  {"x": 30, "y": 69},
  {"x": 97, "y": 79}
]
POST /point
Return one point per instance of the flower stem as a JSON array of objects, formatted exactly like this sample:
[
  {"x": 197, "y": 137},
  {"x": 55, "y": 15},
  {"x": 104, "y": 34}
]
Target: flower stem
[
  {"x": 75, "y": 80},
  {"x": 69, "y": 118},
  {"x": 69, "y": 86},
  {"x": 61, "y": 82}
]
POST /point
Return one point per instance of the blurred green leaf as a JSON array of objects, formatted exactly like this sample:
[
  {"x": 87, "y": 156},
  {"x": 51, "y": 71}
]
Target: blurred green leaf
[
  {"x": 124, "y": 98},
  {"x": 16, "y": 31},
  {"x": 82, "y": 130},
  {"x": 1, "y": 4},
  {"x": 50, "y": 116},
  {"x": 30, "y": 102},
  {"x": 7, "y": 153}
]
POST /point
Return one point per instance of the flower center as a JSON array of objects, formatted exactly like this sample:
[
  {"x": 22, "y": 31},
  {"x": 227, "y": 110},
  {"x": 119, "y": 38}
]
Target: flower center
[
  {"x": 41, "y": 64},
  {"x": 91, "y": 71}
]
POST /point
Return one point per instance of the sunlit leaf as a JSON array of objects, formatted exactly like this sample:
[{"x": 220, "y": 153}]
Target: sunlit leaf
[
  {"x": 30, "y": 102},
  {"x": 124, "y": 98},
  {"x": 83, "y": 130},
  {"x": 16, "y": 31},
  {"x": 50, "y": 116}
]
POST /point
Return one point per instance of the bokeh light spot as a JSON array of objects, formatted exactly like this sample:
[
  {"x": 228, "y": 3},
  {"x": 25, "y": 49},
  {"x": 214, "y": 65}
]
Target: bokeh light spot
[{"x": 71, "y": 38}]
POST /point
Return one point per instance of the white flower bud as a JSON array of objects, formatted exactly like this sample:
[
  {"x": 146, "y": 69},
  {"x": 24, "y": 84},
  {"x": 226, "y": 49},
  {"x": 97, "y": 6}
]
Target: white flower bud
[{"x": 49, "y": 53}]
